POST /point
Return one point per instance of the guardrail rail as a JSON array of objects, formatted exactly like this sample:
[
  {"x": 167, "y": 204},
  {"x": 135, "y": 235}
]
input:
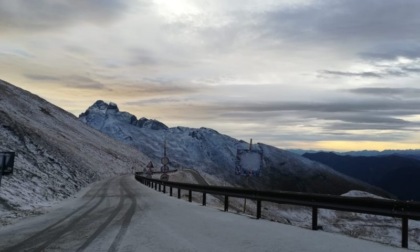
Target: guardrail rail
[{"x": 393, "y": 208}]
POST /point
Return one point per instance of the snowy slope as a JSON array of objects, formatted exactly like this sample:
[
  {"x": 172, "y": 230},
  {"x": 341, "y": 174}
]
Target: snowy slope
[
  {"x": 210, "y": 152},
  {"x": 57, "y": 155}
]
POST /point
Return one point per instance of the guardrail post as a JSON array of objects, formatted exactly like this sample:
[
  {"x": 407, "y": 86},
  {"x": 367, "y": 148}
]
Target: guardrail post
[
  {"x": 258, "y": 209},
  {"x": 404, "y": 232},
  {"x": 159, "y": 187},
  {"x": 226, "y": 203},
  {"x": 170, "y": 190},
  {"x": 155, "y": 186},
  {"x": 179, "y": 193},
  {"x": 314, "y": 218},
  {"x": 204, "y": 198},
  {"x": 164, "y": 188},
  {"x": 189, "y": 195}
]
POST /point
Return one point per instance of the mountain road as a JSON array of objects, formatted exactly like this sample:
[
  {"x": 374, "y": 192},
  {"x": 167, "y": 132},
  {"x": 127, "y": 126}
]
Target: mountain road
[{"x": 120, "y": 214}]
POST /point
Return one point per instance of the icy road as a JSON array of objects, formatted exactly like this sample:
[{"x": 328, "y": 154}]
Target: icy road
[{"x": 120, "y": 214}]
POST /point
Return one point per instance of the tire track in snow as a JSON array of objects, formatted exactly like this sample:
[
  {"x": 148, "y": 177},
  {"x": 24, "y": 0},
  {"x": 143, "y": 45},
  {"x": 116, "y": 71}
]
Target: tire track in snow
[
  {"x": 126, "y": 220},
  {"x": 74, "y": 222},
  {"x": 102, "y": 227},
  {"x": 34, "y": 239}
]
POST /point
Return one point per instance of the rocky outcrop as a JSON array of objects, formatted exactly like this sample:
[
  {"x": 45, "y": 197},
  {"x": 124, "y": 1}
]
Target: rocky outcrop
[{"x": 99, "y": 112}]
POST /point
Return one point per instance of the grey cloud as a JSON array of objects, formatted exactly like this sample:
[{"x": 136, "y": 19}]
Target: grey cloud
[
  {"x": 354, "y": 74},
  {"x": 76, "y": 49},
  {"x": 141, "y": 56},
  {"x": 39, "y": 77},
  {"x": 393, "y": 50},
  {"x": 76, "y": 81},
  {"x": 333, "y": 116},
  {"x": 46, "y": 14},
  {"x": 17, "y": 52},
  {"x": 149, "y": 88},
  {"x": 411, "y": 69},
  {"x": 347, "y": 20},
  {"x": 165, "y": 100},
  {"x": 367, "y": 119},
  {"x": 368, "y": 126},
  {"x": 387, "y": 91},
  {"x": 402, "y": 72},
  {"x": 82, "y": 82},
  {"x": 337, "y": 132},
  {"x": 360, "y": 115},
  {"x": 327, "y": 107}
]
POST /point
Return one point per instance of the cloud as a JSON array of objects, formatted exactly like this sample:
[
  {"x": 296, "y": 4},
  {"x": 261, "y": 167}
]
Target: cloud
[
  {"x": 386, "y": 91},
  {"x": 346, "y": 21},
  {"x": 354, "y": 74},
  {"x": 74, "y": 81},
  {"x": 395, "y": 71},
  {"x": 343, "y": 126},
  {"x": 45, "y": 14},
  {"x": 82, "y": 82},
  {"x": 345, "y": 106},
  {"x": 392, "y": 50},
  {"x": 40, "y": 77}
]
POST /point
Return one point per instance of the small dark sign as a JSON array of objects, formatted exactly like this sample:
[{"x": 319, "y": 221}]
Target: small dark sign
[
  {"x": 164, "y": 177},
  {"x": 150, "y": 165},
  {"x": 7, "y": 160}
]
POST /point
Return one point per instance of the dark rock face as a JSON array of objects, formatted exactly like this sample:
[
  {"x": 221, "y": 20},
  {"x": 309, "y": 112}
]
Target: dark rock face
[
  {"x": 100, "y": 111},
  {"x": 151, "y": 124}
]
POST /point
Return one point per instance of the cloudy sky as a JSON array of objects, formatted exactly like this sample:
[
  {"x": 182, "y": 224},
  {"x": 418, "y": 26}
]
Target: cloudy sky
[{"x": 331, "y": 74}]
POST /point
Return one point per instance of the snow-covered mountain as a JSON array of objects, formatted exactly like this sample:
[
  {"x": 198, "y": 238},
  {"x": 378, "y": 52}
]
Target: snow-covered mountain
[
  {"x": 56, "y": 154},
  {"x": 210, "y": 152}
]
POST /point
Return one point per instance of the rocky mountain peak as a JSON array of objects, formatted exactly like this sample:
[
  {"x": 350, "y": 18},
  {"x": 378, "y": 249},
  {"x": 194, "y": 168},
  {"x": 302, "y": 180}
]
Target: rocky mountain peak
[{"x": 100, "y": 113}]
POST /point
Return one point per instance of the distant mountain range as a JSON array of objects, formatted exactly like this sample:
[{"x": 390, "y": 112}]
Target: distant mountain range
[
  {"x": 208, "y": 151},
  {"x": 366, "y": 153},
  {"x": 398, "y": 174}
]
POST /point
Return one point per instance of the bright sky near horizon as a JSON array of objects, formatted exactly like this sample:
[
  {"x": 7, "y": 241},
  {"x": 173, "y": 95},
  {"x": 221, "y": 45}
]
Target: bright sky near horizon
[{"x": 332, "y": 74}]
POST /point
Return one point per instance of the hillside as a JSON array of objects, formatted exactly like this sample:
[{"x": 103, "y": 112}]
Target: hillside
[
  {"x": 395, "y": 174},
  {"x": 57, "y": 155},
  {"x": 208, "y": 151}
]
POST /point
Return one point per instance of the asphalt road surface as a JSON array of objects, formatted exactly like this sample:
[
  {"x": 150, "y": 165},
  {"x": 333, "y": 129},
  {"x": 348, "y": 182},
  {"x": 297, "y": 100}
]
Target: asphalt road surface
[{"x": 120, "y": 214}]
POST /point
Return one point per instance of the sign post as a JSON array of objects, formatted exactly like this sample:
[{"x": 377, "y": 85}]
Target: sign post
[
  {"x": 249, "y": 162},
  {"x": 149, "y": 170},
  {"x": 164, "y": 169},
  {"x": 7, "y": 160}
]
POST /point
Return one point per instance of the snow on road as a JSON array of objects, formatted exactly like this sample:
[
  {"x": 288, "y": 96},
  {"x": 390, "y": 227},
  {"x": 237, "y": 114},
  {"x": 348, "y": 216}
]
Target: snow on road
[{"x": 120, "y": 214}]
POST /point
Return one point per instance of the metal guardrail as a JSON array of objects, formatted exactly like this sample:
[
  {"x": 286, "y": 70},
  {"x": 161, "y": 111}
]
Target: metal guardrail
[{"x": 393, "y": 208}]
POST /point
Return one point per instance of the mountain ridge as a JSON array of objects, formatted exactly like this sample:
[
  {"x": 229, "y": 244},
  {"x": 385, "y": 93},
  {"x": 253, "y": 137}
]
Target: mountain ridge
[
  {"x": 206, "y": 150},
  {"x": 415, "y": 153}
]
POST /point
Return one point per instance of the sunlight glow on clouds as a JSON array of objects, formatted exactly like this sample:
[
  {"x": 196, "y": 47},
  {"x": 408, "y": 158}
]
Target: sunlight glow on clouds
[{"x": 293, "y": 73}]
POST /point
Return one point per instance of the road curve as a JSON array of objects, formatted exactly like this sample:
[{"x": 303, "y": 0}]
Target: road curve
[{"x": 120, "y": 214}]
